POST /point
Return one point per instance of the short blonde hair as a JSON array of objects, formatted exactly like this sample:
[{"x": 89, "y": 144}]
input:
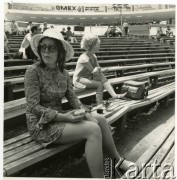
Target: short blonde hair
[{"x": 89, "y": 40}]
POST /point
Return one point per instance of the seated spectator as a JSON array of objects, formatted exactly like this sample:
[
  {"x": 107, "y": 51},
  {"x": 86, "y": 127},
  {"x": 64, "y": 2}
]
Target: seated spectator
[
  {"x": 113, "y": 31},
  {"x": 14, "y": 28},
  {"x": 160, "y": 32},
  {"x": 107, "y": 33},
  {"x": 28, "y": 28},
  {"x": 39, "y": 27},
  {"x": 6, "y": 48},
  {"x": 169, "y": 32},
  {"x": 87, "y": 74},
  {"x": 25, "y": 45},
  {"x": 44, "y": 27},
  {"x": 47, "y": 82},
  {"x": 69, "y": 35},
  {"x": 7, "y": 29},
  {"x": 63, "y": 33},
  {"x": 118, "y": 32}
]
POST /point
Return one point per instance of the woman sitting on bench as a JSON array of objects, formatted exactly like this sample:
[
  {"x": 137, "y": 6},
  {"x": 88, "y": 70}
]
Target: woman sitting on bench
[
  {"x": 88, "y": 73},
  {"x": 46, "y": 83}
]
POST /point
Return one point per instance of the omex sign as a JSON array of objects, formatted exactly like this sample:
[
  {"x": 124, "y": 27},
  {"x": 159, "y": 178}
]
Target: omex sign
[{"x": 68, "y": 8}]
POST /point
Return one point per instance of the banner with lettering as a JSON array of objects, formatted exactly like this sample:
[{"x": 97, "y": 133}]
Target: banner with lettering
[
  {"x": 31, "y": 7},
  {"x": 65, "y": 8},
  {"x": 94, "y": 8}
]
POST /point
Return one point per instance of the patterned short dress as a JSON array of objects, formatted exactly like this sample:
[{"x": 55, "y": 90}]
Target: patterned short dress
[{"x": 44, "y": 90}]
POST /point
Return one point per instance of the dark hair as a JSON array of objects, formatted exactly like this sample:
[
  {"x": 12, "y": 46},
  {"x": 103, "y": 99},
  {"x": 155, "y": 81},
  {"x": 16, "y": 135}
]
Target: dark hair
[
  {"x": 61, "y": 55},
  {"x": 68, "y": 28},
  {"x": 34, "y": 27}
]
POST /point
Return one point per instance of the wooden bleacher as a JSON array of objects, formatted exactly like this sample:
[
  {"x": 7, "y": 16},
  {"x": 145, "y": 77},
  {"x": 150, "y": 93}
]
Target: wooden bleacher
[
  {"x": 21, "y": 151},
  {"x": 28, "y": 152},
  {"x": 161, "y": 151}
]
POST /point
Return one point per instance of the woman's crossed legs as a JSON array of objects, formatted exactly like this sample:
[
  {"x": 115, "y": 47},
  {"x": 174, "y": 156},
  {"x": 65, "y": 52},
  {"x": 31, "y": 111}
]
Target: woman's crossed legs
[{"x": 94, "y": 134}]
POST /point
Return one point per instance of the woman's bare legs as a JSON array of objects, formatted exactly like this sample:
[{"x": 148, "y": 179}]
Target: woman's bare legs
[
  {"x": 92, "y": 84},
  {"x": 108, "y": 142},
  {"x": 91, "y": 132}
]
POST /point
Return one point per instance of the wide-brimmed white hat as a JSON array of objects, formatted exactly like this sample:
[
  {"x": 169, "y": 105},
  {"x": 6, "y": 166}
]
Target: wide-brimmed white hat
[{"x": 55, "y": 34}]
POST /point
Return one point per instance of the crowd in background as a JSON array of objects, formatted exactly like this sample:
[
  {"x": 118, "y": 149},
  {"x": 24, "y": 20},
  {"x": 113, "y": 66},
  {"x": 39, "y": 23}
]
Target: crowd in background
[{"x": 33, "y": 29}]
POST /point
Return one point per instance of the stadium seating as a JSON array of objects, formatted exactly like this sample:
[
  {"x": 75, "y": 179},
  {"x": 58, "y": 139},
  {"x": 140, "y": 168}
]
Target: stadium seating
[{"x": 126, "y": 59}]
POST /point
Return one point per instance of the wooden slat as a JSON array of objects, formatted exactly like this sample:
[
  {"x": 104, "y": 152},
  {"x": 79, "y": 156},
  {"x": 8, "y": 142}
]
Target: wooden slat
[
  {"x": 160, "y": 154},
  {"x": 13, "y": 152},
  {"x": 117, "y": 115},
  {"x": 110, "y": 69},
  {"x": 18, "y": 144},
  {"x": 155, "y": 146},
  {"x": 168, "y": 160},
  {"x": 16, "y": 139},
  {"x": 24, "y": 67},
  {"x": 25, "y": 153},
  {"x": 33, "y": 158}
]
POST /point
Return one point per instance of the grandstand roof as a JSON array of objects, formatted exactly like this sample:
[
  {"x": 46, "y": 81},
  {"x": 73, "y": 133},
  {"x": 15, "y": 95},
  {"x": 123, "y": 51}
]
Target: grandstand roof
[{"x": 76, "y": 15}]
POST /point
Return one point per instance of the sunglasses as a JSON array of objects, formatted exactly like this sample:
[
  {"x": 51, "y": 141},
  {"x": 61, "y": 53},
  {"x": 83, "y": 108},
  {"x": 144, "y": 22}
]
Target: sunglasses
[{"x": 51, "y": 48}]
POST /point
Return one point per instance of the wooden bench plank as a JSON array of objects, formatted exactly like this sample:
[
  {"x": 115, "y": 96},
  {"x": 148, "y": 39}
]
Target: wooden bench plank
[
  {"x": 160, "y": 154},
  {"x": 21, "y": 104},
  {"x": 16, "y": 139},
  {"x": 14, "y": 151},
  {"x": 170, "y": 161},
  {"x": 19, "y": 143},
  {"x": 22, "y": 154},
  {"x": 102, "y": 62},
  {"x": 155, "y": 146},
  {"x": 110, "y": 69},
  {"x": 34, "y": 158}
]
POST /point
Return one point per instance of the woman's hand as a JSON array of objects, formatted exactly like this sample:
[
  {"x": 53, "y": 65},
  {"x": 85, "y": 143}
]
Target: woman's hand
[
  {"x": 89, "y": 117},
  {"x": 122, "y": 95},
  {"x": 70, "y": 117},
  {"x": 104, "y": 70},
  {"x": 96, "y": 70}
]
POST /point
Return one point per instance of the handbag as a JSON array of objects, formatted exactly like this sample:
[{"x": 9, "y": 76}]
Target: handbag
[{"x": 135, "y": 90}]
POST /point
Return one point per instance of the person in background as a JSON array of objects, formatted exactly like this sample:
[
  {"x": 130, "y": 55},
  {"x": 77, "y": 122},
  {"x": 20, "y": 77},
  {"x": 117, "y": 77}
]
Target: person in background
[
  {"x": 87, "y": 74},
  {"x": 63, "y": 33},
  {"x": 14, "y": 28},
  {"x": 118, "y": 31},
  {"x": 28, "y": 28},
  {"x": 44, "y": 27},
  {"x": 69, "y": 35},
  {"x": 107, "y": 33},
  {"x": 113, "y": 31},
  {"x": 25, "y": 45},
  {"x": 160, "y": 32},
  {"x": 7, "y": 29},
  {"x": 6, "y": 47},
  {"x": 126, "y": 28},
  {"x": 169, "y": 32},
  {"x": 47, "y": 82}
]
